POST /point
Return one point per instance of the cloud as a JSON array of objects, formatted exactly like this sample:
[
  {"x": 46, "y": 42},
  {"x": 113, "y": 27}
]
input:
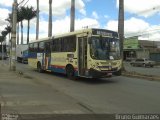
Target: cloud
[
  {"x": 59, "y": 26},
  {"x": 59, "y": 6},
  {"x": 152, "y": 33},
  {"x": 106, "y": 17},
  {"x": 95, "y": 15},
  {"x": 4, "y": 14},
  {"x": 6, "y": 3},
  {"x": 63, "y": 25},
  {"x": 87, "y": 0},
  {"x": 144, "y": 8},
  {"x": 87, "y": 22},
  {"x": 137, "y": 27},
  {"x": 131, "y": 26}
]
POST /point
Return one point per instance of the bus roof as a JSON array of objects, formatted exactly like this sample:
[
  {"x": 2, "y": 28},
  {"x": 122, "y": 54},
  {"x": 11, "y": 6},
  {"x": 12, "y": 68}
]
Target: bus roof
[
  {"x": 42, "y": 39},
  {"x": 90, "y": 30}
]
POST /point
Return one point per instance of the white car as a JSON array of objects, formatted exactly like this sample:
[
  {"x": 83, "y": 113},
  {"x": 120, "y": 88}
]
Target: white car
[{"x": 143, "y": 62}]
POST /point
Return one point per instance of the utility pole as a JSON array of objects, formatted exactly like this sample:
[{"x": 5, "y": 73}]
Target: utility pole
[
  {"x": 50, "y": 19},
  {"x": 37, "y": 23},
  {"x": 72, "y": 17},
  {"x": 121, "y": 26},
  {"x": 13, "y": 37}
]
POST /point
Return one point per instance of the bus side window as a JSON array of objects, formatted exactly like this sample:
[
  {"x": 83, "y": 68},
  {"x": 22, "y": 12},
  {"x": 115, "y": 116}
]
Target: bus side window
[
  {"x": 35, "y": 47},
  {"x": 47, "y": 47},
  {"x": 41, "y": 47},
  {"x": 31, "y": 47},
  {"x": 69, "y": 44},
  {"x": 56, "y": 45}
]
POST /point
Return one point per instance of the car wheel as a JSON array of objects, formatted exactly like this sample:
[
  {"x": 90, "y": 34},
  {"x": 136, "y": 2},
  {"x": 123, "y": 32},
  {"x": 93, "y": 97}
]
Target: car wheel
[
  {"x": 144, "y": 65},
  {"x": 151, "y": 65}
]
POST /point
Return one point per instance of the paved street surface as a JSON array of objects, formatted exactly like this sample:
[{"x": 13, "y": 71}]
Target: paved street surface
[
  {"x": 35, "y": 92},
  {"x": 155, "y": 71}
]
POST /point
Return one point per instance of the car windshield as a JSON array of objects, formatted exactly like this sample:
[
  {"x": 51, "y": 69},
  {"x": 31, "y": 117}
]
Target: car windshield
[{"x": 104, "y": 48}]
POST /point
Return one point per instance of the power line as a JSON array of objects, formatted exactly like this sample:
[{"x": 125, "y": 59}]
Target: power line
[
  {"x": 143, "y": 12},
  {"x": 149, "y": 10},
  {"x": 23, "y": 2},
  {"x": 143, "y": 32},
  {"x": 26, "y": 3}
]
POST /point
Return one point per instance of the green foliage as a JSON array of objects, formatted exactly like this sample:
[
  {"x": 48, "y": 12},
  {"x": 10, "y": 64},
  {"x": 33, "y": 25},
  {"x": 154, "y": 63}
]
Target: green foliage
[
  {"x": 20, "y": 15},
  {"x": 8, "y": 29},
  {"x": 1, "y": 38},
  {"x": 4, "y": 33},
  {"x": 28, "y": 12},
  {"x": 9, "y": 19}
]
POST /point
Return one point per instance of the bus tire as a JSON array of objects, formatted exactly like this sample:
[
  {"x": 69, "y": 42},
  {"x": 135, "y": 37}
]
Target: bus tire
[
  {"x": 70, "y": 72},
  {"x": 39, "y": 67},
  {"x": 118, "y": 73}
]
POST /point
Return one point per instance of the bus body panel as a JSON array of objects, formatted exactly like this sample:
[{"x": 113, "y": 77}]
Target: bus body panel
[{"x": 59, "y": 61}]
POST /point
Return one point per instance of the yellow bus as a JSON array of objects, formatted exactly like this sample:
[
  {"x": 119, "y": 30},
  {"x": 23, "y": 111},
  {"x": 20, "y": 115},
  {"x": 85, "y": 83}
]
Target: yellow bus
[{"x": 89, "y": 53}]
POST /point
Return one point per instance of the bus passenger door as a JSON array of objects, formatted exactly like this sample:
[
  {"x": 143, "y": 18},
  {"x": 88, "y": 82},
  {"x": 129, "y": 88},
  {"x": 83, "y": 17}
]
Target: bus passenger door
[
  {"x": 82, "y": 55},
  {"x": 47, "y": 56}
]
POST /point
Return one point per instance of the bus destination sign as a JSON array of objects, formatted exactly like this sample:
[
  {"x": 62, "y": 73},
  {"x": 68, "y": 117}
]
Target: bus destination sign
[{"x": 103, "y": 33}]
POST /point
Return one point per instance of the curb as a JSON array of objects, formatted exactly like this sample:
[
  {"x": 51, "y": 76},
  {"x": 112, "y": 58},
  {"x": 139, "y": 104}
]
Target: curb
[{"x": 138, "y": 75}]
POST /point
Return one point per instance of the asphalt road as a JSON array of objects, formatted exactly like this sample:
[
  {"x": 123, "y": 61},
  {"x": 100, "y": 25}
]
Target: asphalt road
[{"x": 54, "y": 93}]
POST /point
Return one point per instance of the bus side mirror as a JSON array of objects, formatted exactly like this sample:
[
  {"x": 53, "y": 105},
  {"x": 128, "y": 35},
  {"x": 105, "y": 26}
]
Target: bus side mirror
[{"x": 89, "y": 41}]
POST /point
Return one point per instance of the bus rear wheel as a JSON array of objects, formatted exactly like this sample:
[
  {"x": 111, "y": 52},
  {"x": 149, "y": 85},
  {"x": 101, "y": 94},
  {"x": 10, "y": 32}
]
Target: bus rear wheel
[{"x": 70, "y": 72}]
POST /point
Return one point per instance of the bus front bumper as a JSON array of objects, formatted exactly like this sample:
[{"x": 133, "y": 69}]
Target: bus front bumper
[{"x": 99, "y": 74}]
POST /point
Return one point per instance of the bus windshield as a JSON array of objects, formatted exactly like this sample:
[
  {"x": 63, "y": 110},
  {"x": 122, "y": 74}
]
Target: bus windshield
[{"x": 105, "y": 48}]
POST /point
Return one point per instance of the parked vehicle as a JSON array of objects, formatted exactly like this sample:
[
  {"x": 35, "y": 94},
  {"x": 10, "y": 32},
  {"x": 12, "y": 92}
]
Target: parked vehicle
[
  {"x": 143, "y": 62},
  {"x": 130, "y": 59},
  {"x": 22, "y": 53},
  {"x": 3, "y": 56},
  {"x": 3, "y": 52}
]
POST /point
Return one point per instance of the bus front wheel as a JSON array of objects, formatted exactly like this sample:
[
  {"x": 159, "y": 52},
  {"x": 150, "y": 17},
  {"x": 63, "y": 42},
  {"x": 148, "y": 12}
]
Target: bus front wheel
[
  {"x": 70, "y": 72},
  {"x": 118, "y": 73}
]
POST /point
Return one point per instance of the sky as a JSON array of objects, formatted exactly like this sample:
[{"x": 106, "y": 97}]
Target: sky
[{"x": 142, "y": 17}]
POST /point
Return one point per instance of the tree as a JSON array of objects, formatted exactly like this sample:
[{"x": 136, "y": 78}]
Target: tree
[
  {"x": 1, "y": 39},
  {"x": 29, "y": 13},
  {"x": 20, "y": 18},
  {"x": 50, "y": 19},
  {"x": 4, "y": 33},
  {"x": 37, "y": 22},
  {"x": 72, "y": 16},
  {"x": 9, "y": 19},
  {"x": 8, "y": 29}
]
